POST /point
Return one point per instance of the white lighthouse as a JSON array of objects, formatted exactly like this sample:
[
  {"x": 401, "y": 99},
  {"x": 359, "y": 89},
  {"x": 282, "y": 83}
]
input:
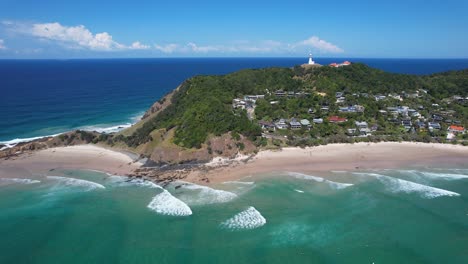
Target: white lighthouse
[{"x": 311, "y": 62}]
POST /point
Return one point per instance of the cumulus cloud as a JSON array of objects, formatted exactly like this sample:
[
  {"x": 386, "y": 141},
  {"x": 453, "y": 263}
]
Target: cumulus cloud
[
  {"x": 72, "y": 37},
  {"x": 2, "y": 44},
  {"x": 169, "y": 48},
  {"x": 320, "y": 45},
  {"x": 75, "y": 37},
  {"x": 138, "y": 46},
  {"x": 79, "y": 37},
  {"x": 203, "y": 49},
  {"x": 268, "y": 46}
]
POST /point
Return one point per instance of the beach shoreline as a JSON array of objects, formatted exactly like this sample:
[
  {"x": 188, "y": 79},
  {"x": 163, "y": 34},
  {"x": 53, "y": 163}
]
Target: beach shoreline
[
  {"x": 318, "y": 160},
  {"x": 322, "y": 160},
  {"x": 79, "y": 157}
]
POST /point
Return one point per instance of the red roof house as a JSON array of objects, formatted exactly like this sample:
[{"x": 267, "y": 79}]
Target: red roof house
[
  {"x": 456, "y": 129},
  {"x": 337, "y": 119}
]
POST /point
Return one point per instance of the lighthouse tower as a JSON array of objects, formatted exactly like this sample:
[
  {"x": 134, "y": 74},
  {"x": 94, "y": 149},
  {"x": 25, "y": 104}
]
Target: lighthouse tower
[{"x": 311, "y": 62}]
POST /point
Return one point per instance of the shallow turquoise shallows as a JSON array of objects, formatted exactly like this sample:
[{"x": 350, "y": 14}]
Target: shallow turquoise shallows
[{"x": 388, "y": 216}]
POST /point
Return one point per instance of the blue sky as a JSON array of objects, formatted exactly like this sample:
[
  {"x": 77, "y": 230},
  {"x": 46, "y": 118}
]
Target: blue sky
[{"x": 104, "y": 29}]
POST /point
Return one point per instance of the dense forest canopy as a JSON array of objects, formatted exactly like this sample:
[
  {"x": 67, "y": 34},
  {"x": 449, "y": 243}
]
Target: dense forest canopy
[{"x": 202, "y": 106}]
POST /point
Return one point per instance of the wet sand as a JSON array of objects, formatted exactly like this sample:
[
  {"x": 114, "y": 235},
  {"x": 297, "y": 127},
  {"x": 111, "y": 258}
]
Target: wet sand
[
  {"x": 321, "y": 159},
  {"x": 340, "y": 157}
]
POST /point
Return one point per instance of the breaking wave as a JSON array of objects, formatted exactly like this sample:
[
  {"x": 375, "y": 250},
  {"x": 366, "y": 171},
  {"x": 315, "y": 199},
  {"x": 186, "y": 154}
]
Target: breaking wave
[
  {"x": 194, "y": 194},
  {"x": 332, "y": 184},
  {"x": 11, "y": 143},
  {"x": 299, "y": 191},
  {"x": 101, "y": 129},
  {"x": 72, "y": 182},
  {"x": 447, "y": 176},
  {"x": 166, "y": 204},
  {"x": 19, "y": 180},
  {"x": 402, "y": 186},
  {"x": 248, "y": 219},
  {"x": 122, "y": 181},
  {"x": 239, "y": 182}
]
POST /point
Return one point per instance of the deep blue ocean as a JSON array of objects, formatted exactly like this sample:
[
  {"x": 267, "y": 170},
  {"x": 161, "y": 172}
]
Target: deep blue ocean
[{"x": 46, "y": 97}]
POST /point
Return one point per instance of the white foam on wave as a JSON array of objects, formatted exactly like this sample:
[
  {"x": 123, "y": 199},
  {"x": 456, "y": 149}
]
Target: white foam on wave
[
  {"x": 166, "y": 204},
  {"x": 398, "y": 185},
  {"x": 248, "y": 219},
  {"x": 332, "y": 184},
  {"x": 299, "y": 191},
  {"x": 11, "y": 143},
  {"x": 201, "y": 195},
  {"x": 101, "y": 129},
  {"x": 73, "y": 182},
  {"x": 239, "y": 182},
  {"x": 446, "y": 176},
  {"x": 126, "y": 181},
  {"x": 19, "y": 180},
  {"x": 111, "y": 129}
]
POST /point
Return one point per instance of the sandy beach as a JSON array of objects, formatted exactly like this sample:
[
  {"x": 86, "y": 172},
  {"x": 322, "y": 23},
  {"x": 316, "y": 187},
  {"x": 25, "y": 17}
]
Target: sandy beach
[
  {"x": 321, "y": 159},
  {"x": 89, "y": 157},
  {"x": 337, "y": 157}
]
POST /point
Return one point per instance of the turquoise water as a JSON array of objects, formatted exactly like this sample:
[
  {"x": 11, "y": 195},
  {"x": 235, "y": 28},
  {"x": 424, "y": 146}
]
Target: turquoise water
[{"x": 387, "y": 216}]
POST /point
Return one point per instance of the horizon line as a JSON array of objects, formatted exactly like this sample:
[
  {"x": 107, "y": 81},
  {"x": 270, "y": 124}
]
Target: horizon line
[{"x": 240, "y": 57}]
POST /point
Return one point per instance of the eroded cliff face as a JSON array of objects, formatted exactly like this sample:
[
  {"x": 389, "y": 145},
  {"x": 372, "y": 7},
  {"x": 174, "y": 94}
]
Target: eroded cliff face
[{"x": 223, "y": 146}]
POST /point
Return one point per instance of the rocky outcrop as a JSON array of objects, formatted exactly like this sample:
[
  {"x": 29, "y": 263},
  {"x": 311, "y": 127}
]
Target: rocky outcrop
[
  {"x": 66, "y": 139},
  {"x": 223, "y": 146}
]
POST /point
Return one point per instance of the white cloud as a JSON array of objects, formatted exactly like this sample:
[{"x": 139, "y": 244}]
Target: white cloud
[
  {"x": 79, "y": 37},
  {"x": 169, "y": 48},
  {"x": 75, "y": 37},
  {"x": 2, "y": 45},
  {"x": 72, "y": 37},
  {"x": 138, "y": 46},
  {"x": 320, "y": 45},
  {"x": 268, "y": 46},
  {"x": 203, "y": 49}
]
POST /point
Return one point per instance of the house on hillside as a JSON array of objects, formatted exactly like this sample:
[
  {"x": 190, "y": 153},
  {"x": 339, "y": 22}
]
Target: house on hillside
[
  {"x": 351, "y": 131},
  {"x": 318, "y": 120},
  {"x": 324, "y": 108},
  {"x": 267, "y": 125},
  {"x": 238, "y": 103},
  {"x": 434, "y": 126},
  {"x": 352, "y": 109},
  {"x": 363, "y": 128},
  {"x": 253, "y": 98},
  {"x": 281, "y": 124},
  {"x": 380, "y": 97},
  {"x": 280, "y": 93},
  {"x": 305, "y": 123},
  {"x": 337, "y": 119},
  {"x": 294, "y": 124},
  {"x": 456, "y": 129}
]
